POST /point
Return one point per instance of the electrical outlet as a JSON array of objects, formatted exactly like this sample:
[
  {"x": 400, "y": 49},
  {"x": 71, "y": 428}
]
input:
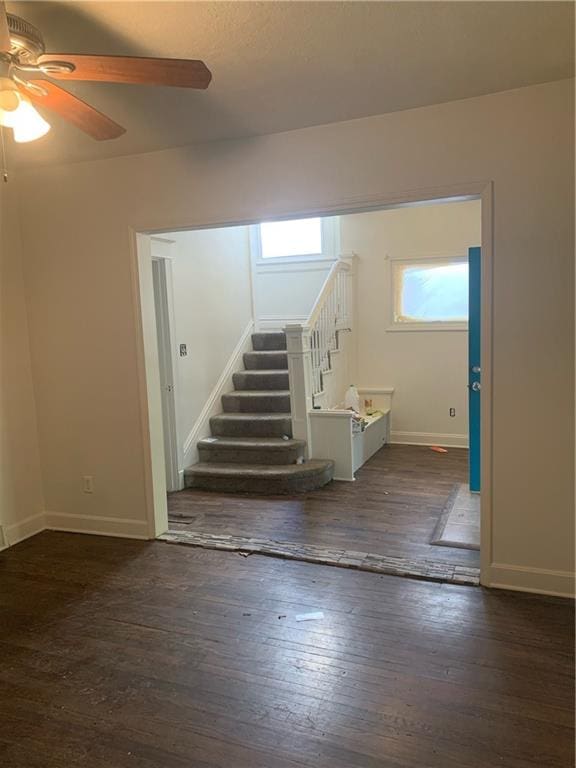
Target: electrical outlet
[
  {"x": 183, "y": 350},
  {"x": 88, "y": 484},
  {"x": 452, "y": 411}
]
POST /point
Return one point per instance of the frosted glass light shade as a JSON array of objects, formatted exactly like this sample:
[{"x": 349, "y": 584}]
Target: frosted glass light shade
[
  {"x": 17, "y": 112},
  {"x": 27, "y": 123}
]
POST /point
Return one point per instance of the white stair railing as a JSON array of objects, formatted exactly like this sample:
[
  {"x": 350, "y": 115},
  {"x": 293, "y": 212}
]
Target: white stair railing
[
  {"x": 330, "y": 315},
  {"x": 312, "y": 346}
]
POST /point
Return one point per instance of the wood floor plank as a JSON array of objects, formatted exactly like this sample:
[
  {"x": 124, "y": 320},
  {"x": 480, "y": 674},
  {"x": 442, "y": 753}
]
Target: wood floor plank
[{"x": 118, "y": 653}]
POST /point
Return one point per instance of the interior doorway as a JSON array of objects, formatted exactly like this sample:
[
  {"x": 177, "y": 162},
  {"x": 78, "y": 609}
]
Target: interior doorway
[{"x": 295, "y": 504}]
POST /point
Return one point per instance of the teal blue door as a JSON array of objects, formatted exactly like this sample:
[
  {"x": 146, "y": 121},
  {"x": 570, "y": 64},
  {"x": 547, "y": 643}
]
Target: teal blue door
[{"x": 474, "y": 363}]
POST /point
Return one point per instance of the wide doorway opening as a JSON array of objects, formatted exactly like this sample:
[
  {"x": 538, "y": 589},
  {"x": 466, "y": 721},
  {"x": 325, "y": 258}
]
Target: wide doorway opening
[{"x": 320, "y": 385}]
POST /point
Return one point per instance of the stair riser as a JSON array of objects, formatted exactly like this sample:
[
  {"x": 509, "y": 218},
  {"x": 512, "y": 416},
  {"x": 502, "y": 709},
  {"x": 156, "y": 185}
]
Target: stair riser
[
  {"x": 254, "y": 380},
  {"x": 218, "y": 455},
  {"x": 257, "y": 485},
  {"x": 232, "y": 403},
  {"x": 266, "y": 341},
  {"x": 247, "y": 428},
  {"x": 274, "y": 360}
]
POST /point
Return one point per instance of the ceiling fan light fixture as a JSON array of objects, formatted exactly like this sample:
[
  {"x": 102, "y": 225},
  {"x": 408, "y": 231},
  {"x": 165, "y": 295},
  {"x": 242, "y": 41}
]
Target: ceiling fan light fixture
[
  {"x": 27, "y": 123},
  {"x": 22, "y": 52}
]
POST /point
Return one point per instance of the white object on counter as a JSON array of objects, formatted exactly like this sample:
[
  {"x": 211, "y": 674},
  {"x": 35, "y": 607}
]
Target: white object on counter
[{"x": 352, "y": 399}]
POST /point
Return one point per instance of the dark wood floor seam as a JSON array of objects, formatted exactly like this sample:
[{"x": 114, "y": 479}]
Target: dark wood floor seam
[{"x": 432, "y": 570}]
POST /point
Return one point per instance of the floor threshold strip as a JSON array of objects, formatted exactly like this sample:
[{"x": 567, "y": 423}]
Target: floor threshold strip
[{"x": 429, "y": 570}]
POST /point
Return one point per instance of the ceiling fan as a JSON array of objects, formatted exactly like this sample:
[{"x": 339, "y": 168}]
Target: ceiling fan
[{"x": 22, "y": 54}]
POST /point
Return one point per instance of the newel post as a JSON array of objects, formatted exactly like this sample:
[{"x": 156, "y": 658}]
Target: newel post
[{"x": 300, "y": 375}]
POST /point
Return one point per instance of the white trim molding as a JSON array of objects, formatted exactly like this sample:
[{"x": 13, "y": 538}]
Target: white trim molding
[
  {"x": 429, "y": 438},
  {"x": 23, "y": 529},
  {"x": 96, "y": 525},
  {"x": 162, "y": 247},
  {"x": 213, "y": 406},
  {"x": 312, "y": 265},
  {"x": 537, "y": 580},
  {"x": 279, "y": 322}
]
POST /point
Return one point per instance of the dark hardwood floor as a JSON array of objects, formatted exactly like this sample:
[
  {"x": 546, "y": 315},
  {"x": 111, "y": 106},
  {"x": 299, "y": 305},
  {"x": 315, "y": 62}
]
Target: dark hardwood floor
[
  {"x": 391, "y": 509},
  {"x": 125, "y": 654}
]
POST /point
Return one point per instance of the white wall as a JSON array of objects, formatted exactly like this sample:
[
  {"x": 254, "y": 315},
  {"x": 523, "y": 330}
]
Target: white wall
[
  {"x": 285, "y": 293},
  {"x": 79, "y": 279},
  {"x": 428, "y": 369},
  {"x": 212, "y": 308},
  {"x": 21, "y": 501}
]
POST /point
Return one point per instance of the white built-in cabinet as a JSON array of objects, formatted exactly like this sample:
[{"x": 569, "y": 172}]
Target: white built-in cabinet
[{"x": 334, "y": 434}]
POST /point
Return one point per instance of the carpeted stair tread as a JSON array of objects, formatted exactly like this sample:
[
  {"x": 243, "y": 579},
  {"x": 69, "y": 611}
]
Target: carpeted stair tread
[
  {"x": 248, "y": 470},
  {"x": 268, "y": 443},
  {"x": 247, "y": 393},
  {"x": 251, "y": 425},
  {"x": 260, "y": 478},
  {"x": 265, "y": 401},
  {"x": 251, "y": 450},
  {"x": 273, "y": 380},
  {"x": 253, "y": 416},
  {"x": 268, "y": 341},
  {"x": 265, "y": 360}
]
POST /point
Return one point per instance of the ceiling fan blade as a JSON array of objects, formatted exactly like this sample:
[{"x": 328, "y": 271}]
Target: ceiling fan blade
[
  {"x": 74, "y": 110},
  {"x": 5, "y": 43},
  {"x": 184, "y": 73}
]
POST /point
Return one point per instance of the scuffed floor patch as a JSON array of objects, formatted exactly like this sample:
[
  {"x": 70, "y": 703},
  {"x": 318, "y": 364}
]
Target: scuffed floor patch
[
  {"x": 431, "y": 570},
  {"x": 459, "y": 524}
]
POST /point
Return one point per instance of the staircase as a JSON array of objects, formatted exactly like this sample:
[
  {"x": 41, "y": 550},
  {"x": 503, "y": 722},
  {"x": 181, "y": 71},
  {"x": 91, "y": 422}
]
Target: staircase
[{"x": 251, "y": 449}]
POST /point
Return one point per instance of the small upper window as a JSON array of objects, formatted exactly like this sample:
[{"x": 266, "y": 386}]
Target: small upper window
[
  {"x": 299, "y": 237},
  {"x": 295, "y": 240},
  {"x": 431, "y": 292}
]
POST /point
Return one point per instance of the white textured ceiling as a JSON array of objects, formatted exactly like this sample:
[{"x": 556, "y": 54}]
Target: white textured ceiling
[{"x": 283, "y": 65}]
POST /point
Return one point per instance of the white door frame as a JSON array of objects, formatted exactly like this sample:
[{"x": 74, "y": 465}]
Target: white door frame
[
  {"x": 162, "y": 251},
  {"x": 151, "y": 430},
  {"x": 158, "y": 264}
]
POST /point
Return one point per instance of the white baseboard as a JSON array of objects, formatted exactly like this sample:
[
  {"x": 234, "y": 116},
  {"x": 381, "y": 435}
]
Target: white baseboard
[
  {"x": 23, "y": 529},
  {"x": 213, "y": 406},
  {"x": 98, "y": 526},
  {"x": 278, "y": 322},
  {"x": 536, "y": 580},
  {"x": 429, "y": 438}
]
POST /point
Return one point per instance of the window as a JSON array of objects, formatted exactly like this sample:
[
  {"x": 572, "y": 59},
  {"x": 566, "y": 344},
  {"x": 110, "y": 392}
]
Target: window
[
  {"x": 431, "y": 293},
  {"x": 299, "y": 237},
  {"x": 295, "y": 240}
]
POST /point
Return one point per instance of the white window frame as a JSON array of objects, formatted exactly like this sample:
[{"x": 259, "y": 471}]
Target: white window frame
[
  {"x": 330, "y": 243},
  {"x": 397, "y": 264}
]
